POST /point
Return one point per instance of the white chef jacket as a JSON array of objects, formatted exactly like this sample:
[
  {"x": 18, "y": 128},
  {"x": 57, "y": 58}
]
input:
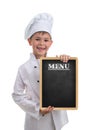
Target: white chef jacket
[{"x": 27, "y": 95}]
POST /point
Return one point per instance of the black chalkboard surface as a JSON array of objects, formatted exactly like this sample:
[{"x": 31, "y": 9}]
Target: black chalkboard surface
[{"x": 58, "y": 83}]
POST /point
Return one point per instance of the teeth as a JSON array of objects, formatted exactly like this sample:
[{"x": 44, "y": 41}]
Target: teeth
[{"x": 40, "y": 48}]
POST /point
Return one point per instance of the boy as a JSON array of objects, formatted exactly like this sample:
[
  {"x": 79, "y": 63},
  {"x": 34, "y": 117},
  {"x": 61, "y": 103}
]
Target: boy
[{"x": 26, "y": 88}]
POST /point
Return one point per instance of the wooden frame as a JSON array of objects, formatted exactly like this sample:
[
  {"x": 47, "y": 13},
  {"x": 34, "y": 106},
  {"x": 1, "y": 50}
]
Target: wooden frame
[{"x": 59, "y": 83}]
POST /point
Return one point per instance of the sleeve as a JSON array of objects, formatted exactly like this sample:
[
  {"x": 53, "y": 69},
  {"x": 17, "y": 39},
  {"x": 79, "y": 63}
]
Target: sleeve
[{"x": 22, "y": 99}]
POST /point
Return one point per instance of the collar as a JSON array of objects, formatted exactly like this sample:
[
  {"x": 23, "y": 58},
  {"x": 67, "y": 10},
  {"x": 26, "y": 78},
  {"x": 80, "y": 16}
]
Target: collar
[{"x": 35, "y": 62}]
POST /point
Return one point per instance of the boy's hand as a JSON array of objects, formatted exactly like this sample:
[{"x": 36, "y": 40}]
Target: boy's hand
[
  {"x": 64, "y": 58},
  {"x": 46, "y": 110}
]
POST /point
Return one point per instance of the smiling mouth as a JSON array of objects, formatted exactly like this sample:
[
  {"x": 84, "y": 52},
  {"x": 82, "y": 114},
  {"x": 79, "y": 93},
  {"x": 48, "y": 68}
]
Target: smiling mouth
[{"x": 41, "y": 48}]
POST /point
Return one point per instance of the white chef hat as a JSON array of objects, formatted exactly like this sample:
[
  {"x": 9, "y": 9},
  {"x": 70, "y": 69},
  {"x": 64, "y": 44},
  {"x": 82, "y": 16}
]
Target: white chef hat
[{"x": 42, "y": 22}]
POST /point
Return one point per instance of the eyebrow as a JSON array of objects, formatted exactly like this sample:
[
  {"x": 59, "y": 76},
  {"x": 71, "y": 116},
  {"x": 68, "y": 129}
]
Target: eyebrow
[
  {"x": 37, "y": 37},
  {"x": 43, "y": 38}
]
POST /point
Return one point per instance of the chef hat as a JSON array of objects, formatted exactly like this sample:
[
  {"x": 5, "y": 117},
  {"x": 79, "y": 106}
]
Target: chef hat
[{"x": 42, "y": 22}]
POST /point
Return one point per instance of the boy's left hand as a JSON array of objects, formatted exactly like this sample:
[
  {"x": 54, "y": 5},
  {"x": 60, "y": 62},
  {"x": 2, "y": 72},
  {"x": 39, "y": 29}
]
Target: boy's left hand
[{"x": 64, "y": 58}]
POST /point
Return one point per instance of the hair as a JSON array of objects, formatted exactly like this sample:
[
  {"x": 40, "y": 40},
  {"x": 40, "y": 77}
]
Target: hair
[{"x": 41, "y": 32}]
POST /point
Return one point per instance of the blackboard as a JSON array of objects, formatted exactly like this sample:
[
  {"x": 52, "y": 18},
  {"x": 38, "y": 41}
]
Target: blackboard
[{"x": 58, "y": 83}]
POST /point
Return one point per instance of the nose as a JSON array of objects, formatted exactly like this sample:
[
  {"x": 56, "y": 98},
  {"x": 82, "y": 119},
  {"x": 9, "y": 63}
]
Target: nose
[{"x": 42, "y": 42}]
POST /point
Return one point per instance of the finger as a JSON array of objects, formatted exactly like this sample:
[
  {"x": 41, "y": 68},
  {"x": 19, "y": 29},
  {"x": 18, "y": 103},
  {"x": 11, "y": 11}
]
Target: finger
[
  {"x": 51, "y": 108},
  {"x": 64, "y": 58},
  {"x": 67, "y": 58},
  {"x": 47, "y": 109}
]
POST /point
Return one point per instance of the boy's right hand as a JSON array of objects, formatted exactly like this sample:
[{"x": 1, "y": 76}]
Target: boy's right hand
[{"x": 46, "y": 110}]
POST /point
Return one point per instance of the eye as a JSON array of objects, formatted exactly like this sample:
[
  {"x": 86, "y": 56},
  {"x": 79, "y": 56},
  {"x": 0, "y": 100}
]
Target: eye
[
  {"x": 46, "y": 40},
  {"x": 37, "y": 39}
]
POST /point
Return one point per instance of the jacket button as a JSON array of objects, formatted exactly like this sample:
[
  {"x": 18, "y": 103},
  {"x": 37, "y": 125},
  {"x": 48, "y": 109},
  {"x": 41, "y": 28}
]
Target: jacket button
[
  {"x": 35, "y": 66},
  {"x": 38, "y": 81}
]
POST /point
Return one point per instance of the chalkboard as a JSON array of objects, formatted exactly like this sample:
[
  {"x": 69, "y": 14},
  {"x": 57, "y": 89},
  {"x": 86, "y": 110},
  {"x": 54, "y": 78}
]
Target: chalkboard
[{"x": 59, "y": 83}]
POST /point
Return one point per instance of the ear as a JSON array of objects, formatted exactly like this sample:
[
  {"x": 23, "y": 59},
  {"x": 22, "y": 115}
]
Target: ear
[{"x": 29, "y": 41}]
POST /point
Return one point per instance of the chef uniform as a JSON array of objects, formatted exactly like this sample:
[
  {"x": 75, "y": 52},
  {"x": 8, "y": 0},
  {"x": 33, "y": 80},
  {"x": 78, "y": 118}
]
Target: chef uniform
[{"x": 27, "y": 93}]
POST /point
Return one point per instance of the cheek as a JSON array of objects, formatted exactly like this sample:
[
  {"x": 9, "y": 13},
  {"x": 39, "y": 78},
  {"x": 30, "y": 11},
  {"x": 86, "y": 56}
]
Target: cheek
[
  {"x": 34, "y": 45},
  {"x": 48, "y": 46}
]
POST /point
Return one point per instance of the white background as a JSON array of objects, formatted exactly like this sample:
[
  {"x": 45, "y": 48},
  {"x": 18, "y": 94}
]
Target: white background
[{"x": 69, "y": 36}]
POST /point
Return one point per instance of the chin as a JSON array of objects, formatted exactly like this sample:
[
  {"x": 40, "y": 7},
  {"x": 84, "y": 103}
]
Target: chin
[{"x": 42, "y": 55}]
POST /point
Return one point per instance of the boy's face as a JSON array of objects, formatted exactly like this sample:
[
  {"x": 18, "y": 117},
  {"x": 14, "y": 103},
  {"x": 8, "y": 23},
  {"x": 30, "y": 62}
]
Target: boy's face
[{"x": 40, "y": 43}]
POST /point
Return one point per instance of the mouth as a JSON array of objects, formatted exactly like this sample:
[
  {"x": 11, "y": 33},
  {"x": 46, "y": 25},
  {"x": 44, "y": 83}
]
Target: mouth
[{"x": 41, "y": 48}]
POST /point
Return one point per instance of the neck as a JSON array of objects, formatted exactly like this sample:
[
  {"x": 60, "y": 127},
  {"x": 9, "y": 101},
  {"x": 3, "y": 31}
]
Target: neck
[{"x": 38, "y": 56}]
